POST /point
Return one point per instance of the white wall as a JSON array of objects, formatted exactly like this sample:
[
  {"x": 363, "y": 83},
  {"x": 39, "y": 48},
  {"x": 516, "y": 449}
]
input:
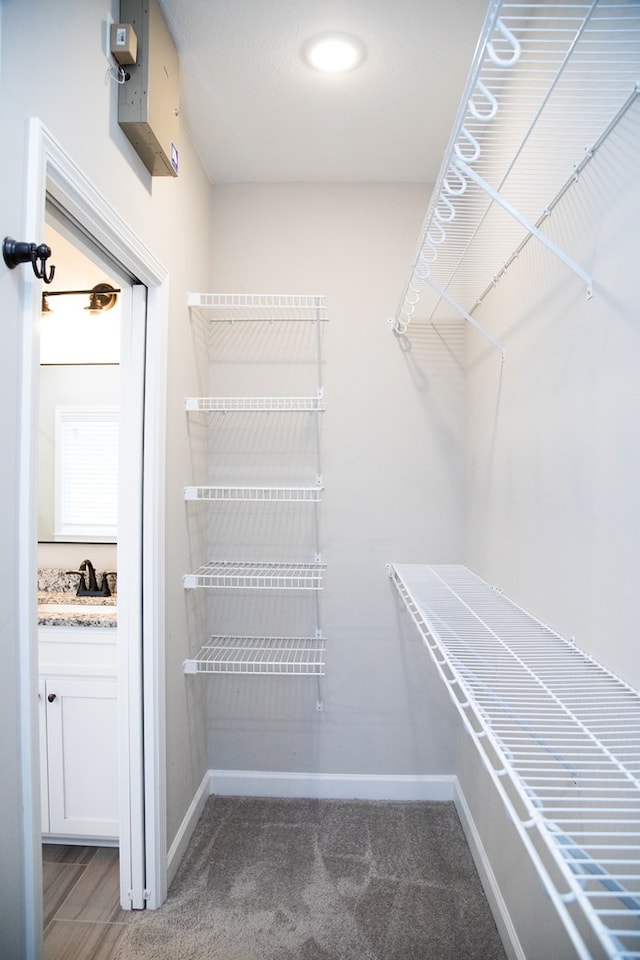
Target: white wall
[
  {"x": 392, "y": 446},
  {"x": 171, "y": 217},
  {"x": 553, "y": 467}
]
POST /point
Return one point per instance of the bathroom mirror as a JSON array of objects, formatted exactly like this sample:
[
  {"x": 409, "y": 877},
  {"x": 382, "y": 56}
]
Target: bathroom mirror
[
  {"x": 79, "y": 398},
  {"x": 78, "y": 448}
]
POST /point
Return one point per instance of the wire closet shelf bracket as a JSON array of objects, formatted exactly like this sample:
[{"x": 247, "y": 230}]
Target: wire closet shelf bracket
[
  {"x": 547, "y": 85},
  {"x": 560, "y": 738}
]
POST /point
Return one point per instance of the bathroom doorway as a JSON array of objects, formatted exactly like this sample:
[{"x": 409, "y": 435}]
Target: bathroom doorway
[
  {"x": 79, "y": 478},
  {"x": 104, "y": 371},
  {"x": 55, "y": 181}
]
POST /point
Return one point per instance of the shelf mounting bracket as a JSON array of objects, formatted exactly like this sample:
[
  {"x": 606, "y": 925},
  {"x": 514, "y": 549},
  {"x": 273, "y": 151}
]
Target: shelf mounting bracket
[
  {"x": 467, "y": 316},
  {"x": 463, "y": 168}
]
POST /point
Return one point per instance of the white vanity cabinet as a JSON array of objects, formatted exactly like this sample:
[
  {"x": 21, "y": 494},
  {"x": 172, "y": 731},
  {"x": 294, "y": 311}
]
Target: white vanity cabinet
[{"x": 78, "y": 701}]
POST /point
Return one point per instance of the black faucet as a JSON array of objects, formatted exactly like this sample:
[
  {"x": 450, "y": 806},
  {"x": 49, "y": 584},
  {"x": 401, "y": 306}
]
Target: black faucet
[{"x": 90, "y": 588}]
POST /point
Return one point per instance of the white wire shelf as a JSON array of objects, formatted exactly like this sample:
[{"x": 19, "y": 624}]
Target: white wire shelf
[
  {"x": 266, "y": 656},
  {"x": 566, "y": 735},
  {"x": 256, "y": 494},
  {"x": 250, "y": 575},
  {"x": 548, "y": 83},
  {"x": 255, "y": 404},
  {"x": 242, "y": 307}
]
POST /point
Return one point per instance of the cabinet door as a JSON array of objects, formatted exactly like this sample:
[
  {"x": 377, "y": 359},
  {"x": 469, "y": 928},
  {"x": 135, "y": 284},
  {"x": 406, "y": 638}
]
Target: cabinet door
[{"x": 82, "y": 753}]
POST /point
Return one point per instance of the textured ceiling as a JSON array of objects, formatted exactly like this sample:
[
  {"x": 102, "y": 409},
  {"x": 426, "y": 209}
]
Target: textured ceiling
[{"x": 256, "y": 112}]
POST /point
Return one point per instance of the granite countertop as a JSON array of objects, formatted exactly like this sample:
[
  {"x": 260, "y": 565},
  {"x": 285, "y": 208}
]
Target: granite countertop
[
  {"x": 87, "y": 612},
  {"x": 57, "y": 588}
]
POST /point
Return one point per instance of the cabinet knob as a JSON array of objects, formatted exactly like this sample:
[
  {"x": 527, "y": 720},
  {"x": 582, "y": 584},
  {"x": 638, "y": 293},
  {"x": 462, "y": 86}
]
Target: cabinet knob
[{"x": 51, "y": 697}]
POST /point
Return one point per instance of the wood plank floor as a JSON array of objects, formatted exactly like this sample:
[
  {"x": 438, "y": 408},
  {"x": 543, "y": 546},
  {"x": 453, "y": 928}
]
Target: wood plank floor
[{"x": 82, "y": 914}]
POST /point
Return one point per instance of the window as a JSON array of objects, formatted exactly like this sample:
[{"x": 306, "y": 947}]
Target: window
[{"x": 86, "y": 473}]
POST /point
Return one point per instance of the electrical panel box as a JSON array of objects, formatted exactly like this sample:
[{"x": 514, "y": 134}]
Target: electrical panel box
[
  {"x": 148, "y": 102},
  {"x": 124, "y": 43}
]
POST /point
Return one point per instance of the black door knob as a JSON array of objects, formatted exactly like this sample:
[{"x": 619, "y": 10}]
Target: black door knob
[{"x": 51, "y": 697}]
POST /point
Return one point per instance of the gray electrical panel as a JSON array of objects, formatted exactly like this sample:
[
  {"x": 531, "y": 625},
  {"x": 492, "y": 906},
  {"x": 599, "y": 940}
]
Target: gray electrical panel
[{"x": 148, "y": 102}]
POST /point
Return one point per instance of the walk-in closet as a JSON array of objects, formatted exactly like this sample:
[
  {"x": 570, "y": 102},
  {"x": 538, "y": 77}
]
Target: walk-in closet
[{"x": 389, "y": 536}]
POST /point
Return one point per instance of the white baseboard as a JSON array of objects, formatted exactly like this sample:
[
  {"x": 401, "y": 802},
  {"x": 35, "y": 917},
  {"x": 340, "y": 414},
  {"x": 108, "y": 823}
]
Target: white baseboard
[
  {"x": 330, "y": 786},
  {"x": 492, "y": 891},
  {"x": 181, "y": 841},
  {"x": 325, "y": 786}
]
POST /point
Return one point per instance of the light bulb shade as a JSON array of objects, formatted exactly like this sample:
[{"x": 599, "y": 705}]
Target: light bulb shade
[
  {"x": 102, "y": 297},
  {"x": 334, "y": 52}
]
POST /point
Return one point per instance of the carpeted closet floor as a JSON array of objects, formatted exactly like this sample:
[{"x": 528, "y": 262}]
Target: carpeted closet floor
[{"x": 321, "y": 880}]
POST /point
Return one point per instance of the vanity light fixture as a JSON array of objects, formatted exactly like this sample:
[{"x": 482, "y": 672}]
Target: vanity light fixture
[
  {"x": 101, "y": 297},
  {"x": 334, "y": 52}
]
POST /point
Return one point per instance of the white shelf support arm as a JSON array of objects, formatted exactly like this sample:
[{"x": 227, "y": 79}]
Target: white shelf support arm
[
  {"x": 467, "y": 316},
  {"x": 463, "y": 168}
]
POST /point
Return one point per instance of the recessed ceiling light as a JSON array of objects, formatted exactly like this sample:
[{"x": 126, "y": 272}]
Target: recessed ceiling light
[{"x": 334, "y": 52}]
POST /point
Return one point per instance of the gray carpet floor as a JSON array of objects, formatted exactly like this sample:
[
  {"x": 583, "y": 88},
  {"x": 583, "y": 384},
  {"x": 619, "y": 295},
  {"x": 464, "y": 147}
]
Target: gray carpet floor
[{"x": 321, "y": 880}]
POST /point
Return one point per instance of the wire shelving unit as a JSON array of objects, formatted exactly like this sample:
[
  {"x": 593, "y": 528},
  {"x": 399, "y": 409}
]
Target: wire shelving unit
[
  {"x": 244, "y": 654},
  {"x": 254, "y": 404},
  {"x": 270, "y": 656},
  {"x": 257, "y": 307},
  {"x": 560, "y": 737},
  {"x": 256, "y": 575},
  {"x": 256, "y": 494},
  {"x": 548, "y": 83}
]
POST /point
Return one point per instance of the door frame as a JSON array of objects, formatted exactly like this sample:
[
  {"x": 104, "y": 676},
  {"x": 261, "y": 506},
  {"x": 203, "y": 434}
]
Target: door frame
[{"x": 50, "y": 170}]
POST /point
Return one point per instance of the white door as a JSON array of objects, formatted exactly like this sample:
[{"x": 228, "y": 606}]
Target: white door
[{"x": 80, "y": 254}]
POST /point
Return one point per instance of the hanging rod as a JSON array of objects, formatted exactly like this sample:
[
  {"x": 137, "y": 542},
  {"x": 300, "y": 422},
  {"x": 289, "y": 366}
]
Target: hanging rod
[{"x": 545, "y": 81}]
